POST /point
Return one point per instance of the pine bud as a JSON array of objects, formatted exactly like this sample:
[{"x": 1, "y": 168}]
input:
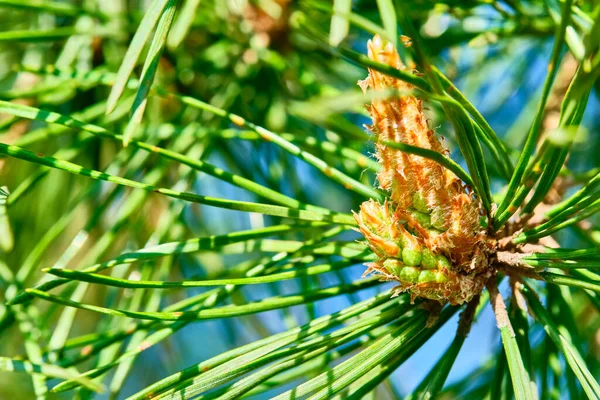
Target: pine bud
[
  {"x": 409, "y": 274},
  {"x": 420, "y": 204},
  {"x": 427, "y": 234},
  {"x": 411, "y": 256},
  {"x": 393, "y": 266},
  {"x": 427, "y": 276},
  {"x": 378, "y": 227},
  {"x": 429, "y": 260}
]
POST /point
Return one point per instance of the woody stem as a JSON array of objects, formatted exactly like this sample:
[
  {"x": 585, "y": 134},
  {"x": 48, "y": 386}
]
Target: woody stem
[{"x": 499, "y": 306}]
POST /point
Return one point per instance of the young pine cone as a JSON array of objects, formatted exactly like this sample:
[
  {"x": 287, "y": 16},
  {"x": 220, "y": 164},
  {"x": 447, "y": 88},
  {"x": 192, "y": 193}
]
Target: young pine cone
[{"x": 427, "y": 235}]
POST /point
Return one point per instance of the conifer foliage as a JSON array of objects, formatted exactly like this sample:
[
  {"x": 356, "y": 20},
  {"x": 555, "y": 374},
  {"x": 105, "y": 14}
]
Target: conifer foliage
[{"x": 198, "y": 201}]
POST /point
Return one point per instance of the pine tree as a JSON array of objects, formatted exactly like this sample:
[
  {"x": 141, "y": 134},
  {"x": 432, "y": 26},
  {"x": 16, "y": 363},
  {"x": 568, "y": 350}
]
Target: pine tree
[{"x": 197, "y": 200}]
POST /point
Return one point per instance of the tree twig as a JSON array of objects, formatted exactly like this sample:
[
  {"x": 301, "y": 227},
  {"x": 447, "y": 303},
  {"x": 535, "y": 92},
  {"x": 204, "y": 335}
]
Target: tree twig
[
  {"x": 499, "y": 306},
  {"x": 467, "y": 317}
]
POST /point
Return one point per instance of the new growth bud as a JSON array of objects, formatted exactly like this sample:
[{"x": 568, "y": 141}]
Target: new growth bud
[
  {"x": 427, "y": 234},
  {"x": 376, "y": 224}
]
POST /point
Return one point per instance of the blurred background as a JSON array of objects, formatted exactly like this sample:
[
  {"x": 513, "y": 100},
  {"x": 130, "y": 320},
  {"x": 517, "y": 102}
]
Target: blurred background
[{"x": 253, "y": 59}]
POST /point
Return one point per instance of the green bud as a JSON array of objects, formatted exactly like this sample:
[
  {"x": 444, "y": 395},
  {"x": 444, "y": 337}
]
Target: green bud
[
  {"x": 443, "y": 262},
  {"x": 441, "y": 277},
  {"x": 433, "y": 232},
  {"x": 419, "y": 203},
  {"x": 402, "y": 242},
  {"x": 427, "y": 276},
  {"x": 423, "y": 219},
  {"x": 411, "y": 256},
  {"x": 409, "y": 274},
  {"x": 437, "y": 220},
  {"x": 393, "y": 266},
  {"x": 429, "y": 260}
]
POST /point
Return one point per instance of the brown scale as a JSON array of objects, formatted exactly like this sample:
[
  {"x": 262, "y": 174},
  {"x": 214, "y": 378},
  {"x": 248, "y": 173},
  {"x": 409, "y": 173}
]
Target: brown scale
[
  {"x": 463, "y": 235},
  {"x": 402, "y": 120}
]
